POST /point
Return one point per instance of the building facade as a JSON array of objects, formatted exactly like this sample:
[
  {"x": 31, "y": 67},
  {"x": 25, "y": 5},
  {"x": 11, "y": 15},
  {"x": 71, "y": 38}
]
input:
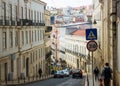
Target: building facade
[
  {"x": 117, "y": 63},
  {"x": 22, "y": 28},
  {"x": 110, "y": 42}
]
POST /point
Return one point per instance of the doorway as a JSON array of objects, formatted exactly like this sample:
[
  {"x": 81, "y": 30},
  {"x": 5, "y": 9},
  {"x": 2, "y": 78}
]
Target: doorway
[
  {"x": 6, "y": 71},
  {"x": 27, "y": 67}
]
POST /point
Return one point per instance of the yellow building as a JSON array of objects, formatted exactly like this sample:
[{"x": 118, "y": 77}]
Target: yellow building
[
  {"x": 22, "y": 27},
  {"x": 110, "y": 41}
]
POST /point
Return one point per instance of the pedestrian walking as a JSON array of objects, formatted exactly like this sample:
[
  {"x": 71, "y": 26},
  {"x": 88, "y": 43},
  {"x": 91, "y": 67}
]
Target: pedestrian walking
[
  {"x": 40, "y": 72},
  {"x": 96, "y": 73},
  {"x": 107, "y": 74}
]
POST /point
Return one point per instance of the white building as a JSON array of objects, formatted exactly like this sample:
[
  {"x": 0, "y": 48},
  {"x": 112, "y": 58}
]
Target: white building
[{"x": 76, "y": 51}]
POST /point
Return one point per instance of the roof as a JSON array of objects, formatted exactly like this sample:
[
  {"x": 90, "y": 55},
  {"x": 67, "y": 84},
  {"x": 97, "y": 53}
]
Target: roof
[{"x": 80, "y": 32}]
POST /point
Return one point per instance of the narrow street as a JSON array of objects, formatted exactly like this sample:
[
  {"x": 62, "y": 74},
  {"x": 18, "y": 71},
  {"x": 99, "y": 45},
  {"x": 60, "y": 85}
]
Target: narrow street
[{"x": 67, "y": 81}]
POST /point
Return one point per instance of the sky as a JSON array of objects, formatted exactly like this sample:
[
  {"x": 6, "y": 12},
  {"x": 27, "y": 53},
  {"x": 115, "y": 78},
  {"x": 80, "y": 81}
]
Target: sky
[{"x": 65, "y": 3}]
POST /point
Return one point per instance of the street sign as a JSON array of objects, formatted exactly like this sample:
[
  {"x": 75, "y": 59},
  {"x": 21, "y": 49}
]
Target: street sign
[
  {"x": 91, "y": 34},
  {"x": 92, "y": 45}
]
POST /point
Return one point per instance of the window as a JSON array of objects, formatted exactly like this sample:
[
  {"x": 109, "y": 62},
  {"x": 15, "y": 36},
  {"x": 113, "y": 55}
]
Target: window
[
  {"x": 41, "y": 34},
  {"x": 16, "y": 38},
  {"x": 4, "y": 10},
  {"x": 31, "y": 58},
  {"x": 27, "y": 37},
  {"x": 10, "y": 6},
  {"x": 29, "y": 13},
  {"x": 30, "y": 36},
  {"x": 40, "y": 17},
  {"x": 4, "y": 40},
  {"x": 23, "y": 37},
  {"x": 16, "y": 12},
  {"x": 12, "y": 65},
  {"x": 26, "y": 12},
  {"x": 11, "y": 39},
  {"x": 21, "y": 12},
  {"x": 38, "y": 35},
  {"x": 35, "y": 16},
  {"x": 35, "y": 35},
  {"x": 23, "y": 61},
  {"x": 39, "y": 53},
  {"x": 36, "y": 55}
]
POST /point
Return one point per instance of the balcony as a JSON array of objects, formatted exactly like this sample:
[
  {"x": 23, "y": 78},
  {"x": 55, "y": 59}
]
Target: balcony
[
  {"x": 38, "y": 23},
  {"x": 24, "y": 22},
  {"x": 1, "y": 22},
  {"x": 21, "y": 22},
  {"x": 12, "y": 23},
  {"x": 4, "y": 21}
]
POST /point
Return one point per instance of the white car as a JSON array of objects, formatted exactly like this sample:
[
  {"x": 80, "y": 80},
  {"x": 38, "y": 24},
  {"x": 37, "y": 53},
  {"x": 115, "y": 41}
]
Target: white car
[
  {"x": 59, "y": 74},
  {"x": 66, "y": 72}
]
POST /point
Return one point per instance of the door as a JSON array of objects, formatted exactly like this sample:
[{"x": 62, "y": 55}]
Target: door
[
  {"x": 6, "y": 71},
  {"x": 27, "y": 67}
]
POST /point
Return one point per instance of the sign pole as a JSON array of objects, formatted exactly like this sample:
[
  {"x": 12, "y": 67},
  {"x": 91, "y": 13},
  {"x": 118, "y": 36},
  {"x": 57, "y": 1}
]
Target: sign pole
[{"x": 92, "y": 69}]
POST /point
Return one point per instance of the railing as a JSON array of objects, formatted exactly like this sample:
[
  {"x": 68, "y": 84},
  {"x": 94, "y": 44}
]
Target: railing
[
  {"x": 1, "y": 20},
  {"x": 22, "y": 81},
  {"x": 38, "y": 23},
  {"x": 6, "y": 21}
]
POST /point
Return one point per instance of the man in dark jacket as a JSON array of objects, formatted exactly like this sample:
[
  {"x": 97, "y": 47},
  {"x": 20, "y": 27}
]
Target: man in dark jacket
[{"x": 107, "y": 74}]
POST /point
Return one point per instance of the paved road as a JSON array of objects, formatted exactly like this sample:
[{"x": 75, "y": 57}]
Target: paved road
[{"x": 67, "y": 81}]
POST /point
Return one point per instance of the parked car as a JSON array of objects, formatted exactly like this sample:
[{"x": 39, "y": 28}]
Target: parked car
[
  {"x": 66, "y": 73},
  {"x": 59, "y": 74},
  {"x": 77, "y": 73}
]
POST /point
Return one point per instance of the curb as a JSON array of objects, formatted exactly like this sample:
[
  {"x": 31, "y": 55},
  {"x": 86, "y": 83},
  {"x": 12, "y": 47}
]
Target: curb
[{"x": 21, "y": 84}]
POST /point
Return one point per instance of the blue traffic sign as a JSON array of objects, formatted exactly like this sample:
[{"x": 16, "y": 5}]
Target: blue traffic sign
[{"x": 91, "y": 34}]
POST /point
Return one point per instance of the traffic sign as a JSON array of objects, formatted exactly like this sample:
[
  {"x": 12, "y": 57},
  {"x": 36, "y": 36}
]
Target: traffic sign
[
  {"x": 92, "y": 45},
  {"x": 91, "y": 34}
]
